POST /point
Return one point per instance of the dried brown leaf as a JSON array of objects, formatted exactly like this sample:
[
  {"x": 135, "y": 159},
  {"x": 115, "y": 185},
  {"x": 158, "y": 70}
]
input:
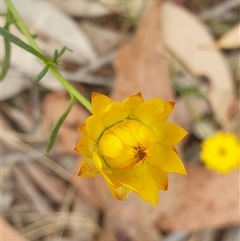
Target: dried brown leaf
[
  {"x": 187, "y": 37},
  {"x": 140, "y": 66},
  {"x": 102, "y": 38},
  {"x": 230, "y": 40},
  {"x": 202, "y": 199},
  {"x": 7, "y": 232},
  {"x": 83, "y": 8}
]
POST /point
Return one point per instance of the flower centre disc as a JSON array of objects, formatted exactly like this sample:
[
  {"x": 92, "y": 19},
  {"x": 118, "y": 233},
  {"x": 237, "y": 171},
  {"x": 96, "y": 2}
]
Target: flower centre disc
[
  {"x": 127, "y": 143},
  {"x": 141, "y": 154},
  {"x": 222, "y": 152}
]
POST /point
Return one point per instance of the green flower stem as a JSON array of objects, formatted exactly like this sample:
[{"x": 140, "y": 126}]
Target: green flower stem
[{"x": 71, "y": 90}]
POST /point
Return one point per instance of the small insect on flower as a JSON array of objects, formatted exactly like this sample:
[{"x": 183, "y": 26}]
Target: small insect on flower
[
  {"x": 221, "y": 152},
  {"x": 131, "y": 145}
]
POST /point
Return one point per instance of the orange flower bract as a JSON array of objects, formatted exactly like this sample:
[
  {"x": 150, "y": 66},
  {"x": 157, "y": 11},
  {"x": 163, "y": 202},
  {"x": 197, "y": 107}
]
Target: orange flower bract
[{"x": 131, "y": 145}]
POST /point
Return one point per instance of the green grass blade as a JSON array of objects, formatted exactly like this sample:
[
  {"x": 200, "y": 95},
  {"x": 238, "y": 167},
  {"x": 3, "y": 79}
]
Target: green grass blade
[{"x": 58, "y": 124}]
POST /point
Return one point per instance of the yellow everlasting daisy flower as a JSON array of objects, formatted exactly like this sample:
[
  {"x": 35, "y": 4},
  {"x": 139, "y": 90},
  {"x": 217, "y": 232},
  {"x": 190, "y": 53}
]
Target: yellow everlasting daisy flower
[
  {"x": 131, "y": 145},
  {"x": 221, "y": 152}
]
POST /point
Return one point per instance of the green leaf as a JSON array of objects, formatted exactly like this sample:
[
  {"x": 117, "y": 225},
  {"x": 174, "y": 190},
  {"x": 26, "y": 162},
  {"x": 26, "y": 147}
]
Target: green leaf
[
  {"x": 7, "y": 47},
  {"x": 58, "y": 124},
  {"x": 6, "y": 60},
  {"x": 62, "y": 51},
  {"x": 12, "y": 38},
  {"x": 55, "y": 55},
  {"x": 41, "y": 74}
]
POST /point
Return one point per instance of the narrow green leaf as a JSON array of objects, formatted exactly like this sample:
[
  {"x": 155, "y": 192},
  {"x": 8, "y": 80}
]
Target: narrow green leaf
[
  {"x": 7, "y": 46},
  {"x": 10, "y": 37},
  {"x": 55, "y": 55},
  {"x": 58, "y": 124},
  {"x": 63, "y": 50},
  {"x": 41, "y": 74},
  {"x": 6, "y": 60}
]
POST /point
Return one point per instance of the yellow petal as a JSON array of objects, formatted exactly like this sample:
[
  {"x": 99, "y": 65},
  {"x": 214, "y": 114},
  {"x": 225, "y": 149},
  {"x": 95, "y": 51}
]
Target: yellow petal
[
  {"x": 128, "y": 179},
  {"x": 110, "y": 146},
  {"x": 116, "y": 112},
  {"x": 82, "y": 128},
  {"x": 99, "y": 103},
  {"x": 126, "y": 161},
  {"x": 136, "y": 131},
  {"x": 168, "y": 133},
  {"x": 148, "y": 185},
  {"x": 110, "y": 179},
  {"x": 168, "y": 107},
  {"x": 97, "y": 161},
  {"x": 120, "y": 144},
  {"x": 94, "y": 126},
  {"x": 133, "y": 101},
  {"x": 160, "y": 177},
  {"x": 148, "y": 111},
  {"x": 167, "y": 160},
  {"x": 84, "y": 146},
  {"x": 87, "y": 168},
  {"x": 104, "y": 170},
  {"x": 119, "y": 193},
  {"x": 124, "y": 132}
]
